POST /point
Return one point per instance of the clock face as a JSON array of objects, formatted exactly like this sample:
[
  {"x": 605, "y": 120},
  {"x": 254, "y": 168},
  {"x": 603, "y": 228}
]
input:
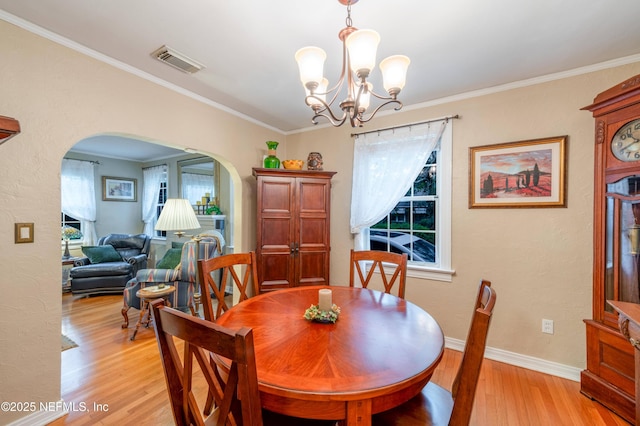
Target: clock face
[{"x": 625, "y": 145}]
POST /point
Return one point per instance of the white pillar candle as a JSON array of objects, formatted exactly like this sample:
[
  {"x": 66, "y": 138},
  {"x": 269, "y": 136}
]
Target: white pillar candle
[{"x": 324, "y": 299}]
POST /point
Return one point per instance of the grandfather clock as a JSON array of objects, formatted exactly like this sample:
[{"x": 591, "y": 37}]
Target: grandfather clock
[{"x": 609, "y": 376}]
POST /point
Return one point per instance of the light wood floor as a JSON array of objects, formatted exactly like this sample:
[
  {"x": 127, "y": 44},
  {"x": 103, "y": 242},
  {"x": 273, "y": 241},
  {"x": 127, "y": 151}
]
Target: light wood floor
[{"x": 126, "y": 379}]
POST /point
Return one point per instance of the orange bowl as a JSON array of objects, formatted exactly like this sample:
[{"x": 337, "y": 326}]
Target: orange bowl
[{"x": 293, "y": 164}]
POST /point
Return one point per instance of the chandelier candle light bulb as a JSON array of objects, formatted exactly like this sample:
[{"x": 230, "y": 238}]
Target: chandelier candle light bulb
[{"x": 324, "y": 299}]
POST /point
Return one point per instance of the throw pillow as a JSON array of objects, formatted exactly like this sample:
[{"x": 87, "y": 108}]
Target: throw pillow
[
  {"x": 101, "y": 254},
  {"x": 170, "y": 260},
  {"x": 176, "y": 244}
]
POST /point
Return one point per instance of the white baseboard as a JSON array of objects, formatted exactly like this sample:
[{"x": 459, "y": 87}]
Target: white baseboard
[
  {"x": 524, "y": 361},
  {"x": 42, "y": 417}
]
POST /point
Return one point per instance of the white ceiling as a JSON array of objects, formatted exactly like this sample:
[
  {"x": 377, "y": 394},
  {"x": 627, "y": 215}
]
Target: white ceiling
[{"x": 455, "y": 46}]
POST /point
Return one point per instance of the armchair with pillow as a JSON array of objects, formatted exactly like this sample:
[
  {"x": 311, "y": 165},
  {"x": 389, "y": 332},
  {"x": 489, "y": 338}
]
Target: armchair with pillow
[
  {"x": 179, "y": 271},
  {"x": 108, "y": 266}
]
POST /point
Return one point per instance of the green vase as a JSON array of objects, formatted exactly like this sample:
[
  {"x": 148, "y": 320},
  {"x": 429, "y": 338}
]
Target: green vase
[{"x": 272, "y": 162}]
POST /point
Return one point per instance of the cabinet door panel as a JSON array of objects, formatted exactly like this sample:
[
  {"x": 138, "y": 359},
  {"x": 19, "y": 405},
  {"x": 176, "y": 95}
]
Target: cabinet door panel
[
  {"x": 312, "y": 233},
  {"x": 312, "y": 268},
  {"x": 277, "y": 270},
  {"x": 277, "y": 196},
  {"x": 276, "y": 233},
  {"x": 313, "y": 196}
]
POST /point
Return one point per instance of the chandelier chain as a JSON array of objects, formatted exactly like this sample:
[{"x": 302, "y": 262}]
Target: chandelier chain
[{"x": 348, "y": 20}]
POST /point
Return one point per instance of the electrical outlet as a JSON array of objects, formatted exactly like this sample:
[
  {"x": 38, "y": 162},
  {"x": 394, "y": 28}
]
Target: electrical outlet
[{"x": 547, "y": 326}]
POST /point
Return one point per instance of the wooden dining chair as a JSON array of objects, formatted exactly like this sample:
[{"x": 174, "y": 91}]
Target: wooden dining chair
[
  {"x": 199, "y": 336},
  {"x": 379, "y": 259},
  {"x": 237, "y": 398},
  {"x": 230, "y": 264},
  {"x": 435, "y": 405}
]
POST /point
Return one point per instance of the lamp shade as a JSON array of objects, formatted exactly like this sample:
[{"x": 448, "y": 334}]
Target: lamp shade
[
  {"x": 362, "y": 46},
  {"x": 394, "y": 72},
  {"x": 177, "y": 215},
  {"x": 311, "y": 64}
]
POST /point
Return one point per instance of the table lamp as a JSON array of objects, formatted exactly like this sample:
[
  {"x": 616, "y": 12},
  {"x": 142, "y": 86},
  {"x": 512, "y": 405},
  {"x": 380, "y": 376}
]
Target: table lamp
[{"x": 177, "y": 215}]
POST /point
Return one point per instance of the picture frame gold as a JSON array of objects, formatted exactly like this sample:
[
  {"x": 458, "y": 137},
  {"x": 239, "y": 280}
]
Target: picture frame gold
[
  {"x": 23, "y": 233},
  {"x": 522, "y": 174},
  {"x": 119, "y": 189}
]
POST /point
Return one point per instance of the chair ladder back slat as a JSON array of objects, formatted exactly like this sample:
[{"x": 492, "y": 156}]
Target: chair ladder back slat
[
  {"x": 208, "y": 284},
  {"x": 219, "y": 292},
  {"x": 248, "y": 374},
  {"x": 188, "y": 402},
  {"x": 173, "y": 376}
]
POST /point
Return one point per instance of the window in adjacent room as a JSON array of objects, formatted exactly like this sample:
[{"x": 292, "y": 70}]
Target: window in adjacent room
[
  {"x": 78, "y": 200},
  {"x": 73, "y": 222},
  {"x": 162, "y": 199},
  {"x": 197, "y": 178}
]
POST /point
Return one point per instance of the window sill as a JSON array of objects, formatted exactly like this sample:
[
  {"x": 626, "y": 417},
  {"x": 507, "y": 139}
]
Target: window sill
[
  {"x": 423, "y": 272},
  {"x": 427, "y": 273}
]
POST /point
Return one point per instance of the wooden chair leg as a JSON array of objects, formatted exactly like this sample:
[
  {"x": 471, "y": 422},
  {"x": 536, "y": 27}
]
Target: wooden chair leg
[{"x": 126, "y": 317}]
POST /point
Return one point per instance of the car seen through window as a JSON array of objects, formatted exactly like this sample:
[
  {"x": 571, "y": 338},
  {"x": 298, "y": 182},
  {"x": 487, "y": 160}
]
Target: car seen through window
[{"x": 417, "y": 249}]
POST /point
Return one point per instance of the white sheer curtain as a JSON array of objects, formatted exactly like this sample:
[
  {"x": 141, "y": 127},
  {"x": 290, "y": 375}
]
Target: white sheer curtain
[
  {"x": 78, "y": 196},
  {"x": 152, "y": 178},
  {"x": 194, "y": 186},
  {"x": 385, "y": 164}
]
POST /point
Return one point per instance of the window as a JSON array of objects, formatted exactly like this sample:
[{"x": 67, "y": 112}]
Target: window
[
  {"x": 77, "y": 198},
  {"x": 199, "y": 177},
  {"x": 162, "y": 199},
  {"x": 420, "y": 224},
  {"x": 411, "y": 227}
]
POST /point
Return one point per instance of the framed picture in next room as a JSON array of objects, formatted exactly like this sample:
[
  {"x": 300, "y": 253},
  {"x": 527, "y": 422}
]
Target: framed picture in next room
[
  {"x": 119, "y": 189},
  {"x": 529, "y": 173}
]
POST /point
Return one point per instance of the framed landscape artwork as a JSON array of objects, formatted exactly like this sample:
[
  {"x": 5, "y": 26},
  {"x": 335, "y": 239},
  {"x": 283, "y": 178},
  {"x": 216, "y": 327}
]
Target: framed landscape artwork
[
  {"x": 518, "y": 174},
  {"x": 118, "y": 189}
]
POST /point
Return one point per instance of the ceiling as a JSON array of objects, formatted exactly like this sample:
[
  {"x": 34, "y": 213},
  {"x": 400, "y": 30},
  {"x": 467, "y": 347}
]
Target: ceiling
[{"x": 248, "y": 47}]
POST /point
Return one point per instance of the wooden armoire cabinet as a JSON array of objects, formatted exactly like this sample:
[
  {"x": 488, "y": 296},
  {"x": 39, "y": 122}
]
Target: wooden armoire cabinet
[
  {"x": 293, "y": 229},
  {"x": 610, "y": 374}
]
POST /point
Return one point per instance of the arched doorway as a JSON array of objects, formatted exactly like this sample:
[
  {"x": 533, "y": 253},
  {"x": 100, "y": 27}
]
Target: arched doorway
[{"x": 114, "y": 155}]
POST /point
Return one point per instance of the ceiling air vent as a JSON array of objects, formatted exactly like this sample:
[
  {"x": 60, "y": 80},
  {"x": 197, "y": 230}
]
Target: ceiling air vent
[{"x": 177, "y": 60}]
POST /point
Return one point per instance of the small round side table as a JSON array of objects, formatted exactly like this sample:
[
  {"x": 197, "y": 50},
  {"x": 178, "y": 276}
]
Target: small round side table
[{"x": 146, "y": 295}]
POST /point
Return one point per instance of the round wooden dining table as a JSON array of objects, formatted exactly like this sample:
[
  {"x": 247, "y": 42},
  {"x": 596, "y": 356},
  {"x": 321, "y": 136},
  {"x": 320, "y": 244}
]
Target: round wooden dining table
[{"x": 380, "y": 352}]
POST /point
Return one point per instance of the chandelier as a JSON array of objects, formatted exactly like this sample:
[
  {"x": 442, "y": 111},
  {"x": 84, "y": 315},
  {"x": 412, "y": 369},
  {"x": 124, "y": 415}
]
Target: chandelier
[{"x": 358, "y": 59}]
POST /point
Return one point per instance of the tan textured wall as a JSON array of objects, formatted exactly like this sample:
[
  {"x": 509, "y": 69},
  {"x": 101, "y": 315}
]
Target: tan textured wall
[
  {"x": 60, "y": 97},
  {"x": 539, "y": 260}
]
